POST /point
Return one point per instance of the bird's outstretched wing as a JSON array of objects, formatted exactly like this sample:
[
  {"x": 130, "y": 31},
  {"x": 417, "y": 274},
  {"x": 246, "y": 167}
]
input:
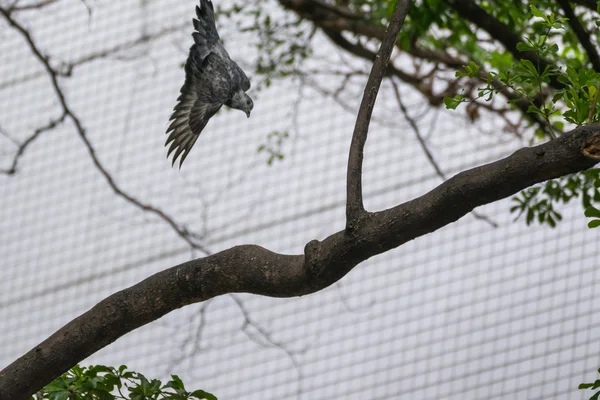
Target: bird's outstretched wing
[
  {"x": 206, "y": 37},
  {"x": 244, "y": 81},
  {"x": 203, "y": 93}
]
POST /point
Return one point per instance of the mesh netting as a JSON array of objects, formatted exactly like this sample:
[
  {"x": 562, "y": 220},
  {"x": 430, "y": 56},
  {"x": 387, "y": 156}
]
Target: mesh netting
[{"x": 470, "y": 311}]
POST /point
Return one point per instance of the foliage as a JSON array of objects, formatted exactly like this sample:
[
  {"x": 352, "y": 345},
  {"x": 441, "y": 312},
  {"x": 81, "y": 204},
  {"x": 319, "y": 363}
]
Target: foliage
[
  {"x": 538, "y": 203},
  {"x": 98, "y": 382},
  {"x": 548, "y": 77},
  {"x": 273, "y": 146},
  {"x": 283, "y": 43},
  {"x": 593, "y": 386},
  {"x": 575, "y": 103}
]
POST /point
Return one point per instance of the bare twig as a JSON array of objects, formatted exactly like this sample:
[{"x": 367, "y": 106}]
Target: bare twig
[
  {"x": 415, "y": 129},
  {"x": 194, "y": 337},
  {"x": 333, "y": 24},
  {"x": 248, "y": 321},
  {"x": 471, "y": 11},
  {"x": 268, "y": 340},
  {"x": 254, "y": 269},
  {"x": 354, "y": 198},
  {"x": 23, "y": 146},
  {"x": 182, "y": 231},
  {"x": 67, "y": 68},
  {"x": 88, "y": 8},
  {"x": 32, "y": 6},
  {"x": 582, "y": 35},
  {"x": 9, "y": 137},
  {"x": 428, "y": 153}
]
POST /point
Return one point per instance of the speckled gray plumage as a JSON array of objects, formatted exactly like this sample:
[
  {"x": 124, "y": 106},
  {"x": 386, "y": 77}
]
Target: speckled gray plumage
[{"x": 211, "y": 79}]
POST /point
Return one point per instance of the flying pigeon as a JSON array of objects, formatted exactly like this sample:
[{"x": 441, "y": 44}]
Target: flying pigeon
[{"x": 212, "y": 79}]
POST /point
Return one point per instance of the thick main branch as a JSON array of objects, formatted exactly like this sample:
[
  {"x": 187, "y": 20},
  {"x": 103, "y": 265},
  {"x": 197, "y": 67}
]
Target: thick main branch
[{"x": 253, "y": 269}]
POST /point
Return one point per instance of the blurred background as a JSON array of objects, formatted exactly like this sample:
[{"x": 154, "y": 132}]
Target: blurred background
[{"x": 483, "y": 308}]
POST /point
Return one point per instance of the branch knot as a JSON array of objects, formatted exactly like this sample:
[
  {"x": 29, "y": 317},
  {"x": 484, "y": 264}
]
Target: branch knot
[
  {"x": 591, "y": 147},
  {"x": 312, "y": 254}
]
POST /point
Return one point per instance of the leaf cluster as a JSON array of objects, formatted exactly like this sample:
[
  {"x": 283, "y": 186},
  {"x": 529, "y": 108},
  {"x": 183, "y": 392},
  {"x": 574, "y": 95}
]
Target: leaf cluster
[
  {"x": 538, "y": 203},
  {"x": 282, "y": 44},
  {"x": 273, "y": 146},
  {"x": 98, "y": 382},
  {"x": 575, "y": 103}
]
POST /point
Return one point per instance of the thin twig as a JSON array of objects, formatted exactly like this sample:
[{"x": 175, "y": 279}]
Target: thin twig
[
  {"x": 248, "y": 321},
  {"x": 23, "y": 146},
  {"x": 32, "y": 6},
  {"x": 428, "y": 154},
  {"x": 67, "y": 68},
  {"x": 354, "y": 198},
  {"x": 582, "y": 35},
  {"x": 180, "y": 230},
  {"x": 254, "y": 269}
]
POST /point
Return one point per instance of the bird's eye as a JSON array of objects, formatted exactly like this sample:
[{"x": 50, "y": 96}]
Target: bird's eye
[{"x": 248, "y": 103}]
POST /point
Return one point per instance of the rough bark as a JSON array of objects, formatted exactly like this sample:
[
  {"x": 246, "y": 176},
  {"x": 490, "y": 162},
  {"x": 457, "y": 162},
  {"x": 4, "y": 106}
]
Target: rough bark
[
  {"x": 354, "y": 198},
  {"x": 253, "y": 269}
]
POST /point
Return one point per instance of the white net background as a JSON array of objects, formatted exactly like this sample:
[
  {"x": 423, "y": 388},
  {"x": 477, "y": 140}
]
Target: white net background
[{"x": 468, "y": 312}]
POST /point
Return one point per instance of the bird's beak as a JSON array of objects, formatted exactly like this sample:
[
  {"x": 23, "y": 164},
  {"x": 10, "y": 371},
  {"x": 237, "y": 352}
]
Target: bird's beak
[{"x": 248, "y": 114}]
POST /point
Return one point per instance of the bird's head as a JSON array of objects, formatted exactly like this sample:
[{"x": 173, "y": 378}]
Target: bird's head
[{"x": 242, "y": 101}]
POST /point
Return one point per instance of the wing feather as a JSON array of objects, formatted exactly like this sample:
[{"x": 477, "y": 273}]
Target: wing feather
[
  {"x": 211, "y": 77},
  {"x": 206, "y": 37},
  {"x": 202, "y": 95}
]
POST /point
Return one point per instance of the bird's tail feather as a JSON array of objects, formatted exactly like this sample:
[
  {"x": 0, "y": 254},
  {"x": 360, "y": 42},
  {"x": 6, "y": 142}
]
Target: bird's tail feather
[{"x": 206, "y": 34}]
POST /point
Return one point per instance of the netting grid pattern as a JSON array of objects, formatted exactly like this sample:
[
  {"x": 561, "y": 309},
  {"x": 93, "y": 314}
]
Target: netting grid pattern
[{"x": 467, "y": 312}]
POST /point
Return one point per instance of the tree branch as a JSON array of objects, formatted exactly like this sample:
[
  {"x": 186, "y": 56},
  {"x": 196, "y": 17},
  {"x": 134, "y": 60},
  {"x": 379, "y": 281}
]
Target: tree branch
[
  {"x": 32, "y": 6},
  {"x": 470, "y": 11},
  {"x": 23, "y": 146},
  {"x": 582, "y": 35},
  {"x": 367, "y": 54},
  {"x": 333, "y": 23},
  {"x": 425, "y": 148},
  {"x": 354, "y": 200},
  {"x": 591, "y": 4},
  {"x": 182, "y": 231},
  {"x": 253, "y": 269}
]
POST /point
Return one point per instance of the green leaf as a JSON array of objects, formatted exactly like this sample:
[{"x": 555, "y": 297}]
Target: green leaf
[
  {"x": 524, "y": 47},
  {"x": 585, "y": 385},
  {"x": 175, "y": 383},
  {"x": 56, "y": 385},
  {"x": 201, "y": 394},
  {"x": 530, "y": 216},
  {"x": 592, "y": 211},
  {"x": 594, "y": 223},
  {"x": 529, "y": 66},
  {"x": 63, "y": 395},
  {"x": 453, "y": 102},
  {"x": 537, "y": 12}
]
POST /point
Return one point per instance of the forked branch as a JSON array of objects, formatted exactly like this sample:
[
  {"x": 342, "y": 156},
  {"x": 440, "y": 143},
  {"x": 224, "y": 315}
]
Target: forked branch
[
  {"x": 354, "y": 199},
  {"x": 253, "y": 269}
]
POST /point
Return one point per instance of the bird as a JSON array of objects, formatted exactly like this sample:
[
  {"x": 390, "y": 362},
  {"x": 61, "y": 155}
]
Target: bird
[{"x": 212, "y": 79}]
